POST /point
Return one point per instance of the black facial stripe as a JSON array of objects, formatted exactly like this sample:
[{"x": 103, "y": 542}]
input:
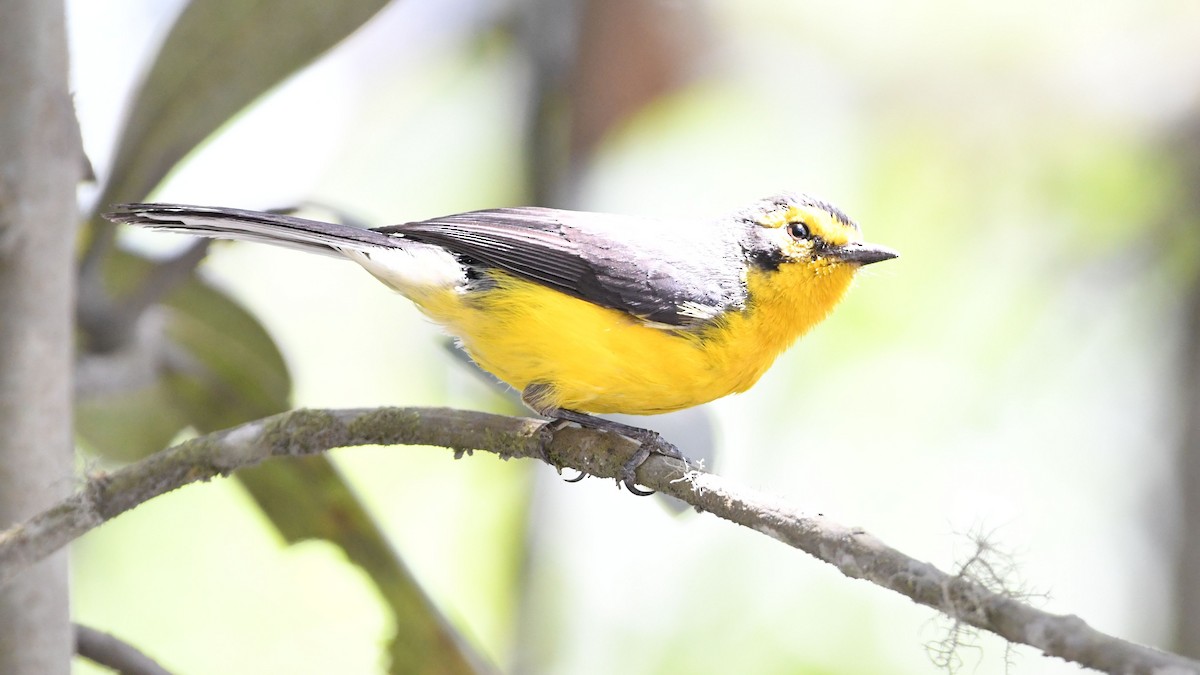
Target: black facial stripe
[{"x": 766, "y": 258}]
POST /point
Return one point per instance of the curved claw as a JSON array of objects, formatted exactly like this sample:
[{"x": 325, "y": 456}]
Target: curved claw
[
  {"x": 630, "y": 466},
  {"x": 649, "y": 442},
  {"x": 634, "y": 489}
]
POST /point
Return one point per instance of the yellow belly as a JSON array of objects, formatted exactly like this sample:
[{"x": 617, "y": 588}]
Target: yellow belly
[{"x": 601, "y": 360}]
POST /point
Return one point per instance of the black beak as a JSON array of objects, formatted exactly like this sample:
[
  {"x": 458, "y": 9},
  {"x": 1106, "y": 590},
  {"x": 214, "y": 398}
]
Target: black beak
[{"x": 863, "y": 254}]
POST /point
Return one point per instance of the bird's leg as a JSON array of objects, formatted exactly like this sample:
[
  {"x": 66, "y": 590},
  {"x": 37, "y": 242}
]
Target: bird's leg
[
  {"x": 649, "y": 441},
  {"x": 545, "y": 435}
]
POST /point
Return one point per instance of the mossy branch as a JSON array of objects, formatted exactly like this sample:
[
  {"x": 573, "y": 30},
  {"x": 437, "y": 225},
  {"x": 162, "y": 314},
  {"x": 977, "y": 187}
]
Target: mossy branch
[{"x": 854, "y": 552}]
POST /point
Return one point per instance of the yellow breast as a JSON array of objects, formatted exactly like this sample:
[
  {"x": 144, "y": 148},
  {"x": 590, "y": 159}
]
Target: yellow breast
[{"x": 601, "y": 360}]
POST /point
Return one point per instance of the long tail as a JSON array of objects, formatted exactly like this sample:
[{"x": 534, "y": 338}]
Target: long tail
[
  {"x": 313, "y": 236},
  {"x": 410, "y": 267}
]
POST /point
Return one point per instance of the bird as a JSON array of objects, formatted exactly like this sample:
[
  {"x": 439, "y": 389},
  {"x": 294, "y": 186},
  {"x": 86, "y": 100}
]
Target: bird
[{"x": 592, "y": 313}]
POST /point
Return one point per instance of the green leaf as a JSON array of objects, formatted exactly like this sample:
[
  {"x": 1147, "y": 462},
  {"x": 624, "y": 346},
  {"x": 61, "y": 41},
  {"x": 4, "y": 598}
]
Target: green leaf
[
  {"x": 235, "y": 372},
  {"x": 219, "y": 56},
  {"x": 222, "y": 369},
  {"x": 306, "y": 498},
  {"x": 126, "y": 426}
]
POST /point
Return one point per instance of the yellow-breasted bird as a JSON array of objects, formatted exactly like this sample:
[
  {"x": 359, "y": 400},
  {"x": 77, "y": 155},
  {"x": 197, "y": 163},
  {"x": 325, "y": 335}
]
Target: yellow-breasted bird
[{"x": 588, "y": 312}]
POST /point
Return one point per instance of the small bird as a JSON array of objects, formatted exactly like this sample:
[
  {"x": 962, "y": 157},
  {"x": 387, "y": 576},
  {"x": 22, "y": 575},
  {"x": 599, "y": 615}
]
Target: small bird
[{"x": 589, "y": 312}]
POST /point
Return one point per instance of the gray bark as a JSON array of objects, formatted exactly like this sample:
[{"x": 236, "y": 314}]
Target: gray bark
[{"x": 40, "y": 162}]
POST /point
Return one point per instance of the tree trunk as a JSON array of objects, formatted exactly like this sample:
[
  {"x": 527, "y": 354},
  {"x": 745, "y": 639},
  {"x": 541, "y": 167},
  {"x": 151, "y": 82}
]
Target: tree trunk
[{"x": 40, "y": 162}]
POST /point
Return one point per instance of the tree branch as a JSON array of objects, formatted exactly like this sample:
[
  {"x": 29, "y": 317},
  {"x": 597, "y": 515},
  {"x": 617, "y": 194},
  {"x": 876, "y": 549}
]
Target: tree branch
[
  {"x": 113, "y": 652},
  {"x": 854, "y": 552}
]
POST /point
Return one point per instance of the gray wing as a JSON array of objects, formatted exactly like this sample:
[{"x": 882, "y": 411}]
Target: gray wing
[{"x": 680, "y": 275}]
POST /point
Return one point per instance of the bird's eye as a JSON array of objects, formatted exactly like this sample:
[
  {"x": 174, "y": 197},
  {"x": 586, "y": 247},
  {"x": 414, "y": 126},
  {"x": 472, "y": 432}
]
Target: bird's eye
[{"x": 798, "y": 230}]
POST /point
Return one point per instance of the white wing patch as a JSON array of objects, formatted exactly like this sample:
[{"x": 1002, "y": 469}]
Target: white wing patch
[
  {"x": 694, "y": 310},
  {"x": 415, "y": 268},
  {"x": 700, "y": 311}
]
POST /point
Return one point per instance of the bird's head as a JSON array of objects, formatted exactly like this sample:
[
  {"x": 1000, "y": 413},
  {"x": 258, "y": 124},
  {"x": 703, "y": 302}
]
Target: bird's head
[{"x": 798, "y": 228}]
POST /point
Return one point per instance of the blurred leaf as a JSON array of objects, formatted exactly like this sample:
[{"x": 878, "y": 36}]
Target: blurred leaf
[
  {"x": 222, "y": 367},
  {"x": 223, "y": 370},
  {"x": 629, "y": 53},
  {"x": 127, "y": 426},
  {"x": 217, "y": 367},
  {"x": 306, "y": 498},
  {"x": 238, "y": 372},
  {"x": 219, "y": 56}
]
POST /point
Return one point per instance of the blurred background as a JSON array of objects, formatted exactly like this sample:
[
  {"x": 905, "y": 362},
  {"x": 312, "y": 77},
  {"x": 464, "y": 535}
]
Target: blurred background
[{"x": 1026, "y": 371}]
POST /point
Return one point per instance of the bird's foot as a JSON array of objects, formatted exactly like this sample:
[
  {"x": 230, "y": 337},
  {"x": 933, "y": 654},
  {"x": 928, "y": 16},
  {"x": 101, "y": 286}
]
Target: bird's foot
[{"x": 649, "y": 443}]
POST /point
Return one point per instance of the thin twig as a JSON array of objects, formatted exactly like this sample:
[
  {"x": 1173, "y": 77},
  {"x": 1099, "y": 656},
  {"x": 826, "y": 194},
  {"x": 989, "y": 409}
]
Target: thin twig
[
  {"x": 854, "y": 552},
  {"x": 113, "y": 652},
  {"x": 111, "y": 323},
  {"x": 163, "y": 278}
]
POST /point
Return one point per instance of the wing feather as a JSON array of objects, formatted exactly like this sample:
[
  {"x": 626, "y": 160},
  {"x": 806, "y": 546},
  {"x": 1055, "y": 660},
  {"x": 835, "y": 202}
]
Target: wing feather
[{"x": 673, "y": 275}]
